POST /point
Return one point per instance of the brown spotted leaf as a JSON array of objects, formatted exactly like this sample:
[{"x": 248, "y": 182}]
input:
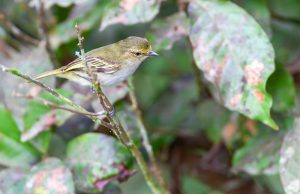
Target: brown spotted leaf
[
  {"x": 49, "y": 176},
  {"x": 235, "y": 55},
  {"x": 165, "y": 32},
  {"x": 131, "y": 12}
]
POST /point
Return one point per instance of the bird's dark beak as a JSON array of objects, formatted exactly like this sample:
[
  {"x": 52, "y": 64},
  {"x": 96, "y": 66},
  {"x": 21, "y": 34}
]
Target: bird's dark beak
[{"x": 152, "y": 53}]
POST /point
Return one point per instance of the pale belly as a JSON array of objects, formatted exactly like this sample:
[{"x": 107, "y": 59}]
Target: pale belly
[{"x": 117, "y": 77}]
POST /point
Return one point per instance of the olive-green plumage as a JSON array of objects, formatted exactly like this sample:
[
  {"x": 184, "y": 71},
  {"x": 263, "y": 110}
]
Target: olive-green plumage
[{"x": 112, "y": 63}]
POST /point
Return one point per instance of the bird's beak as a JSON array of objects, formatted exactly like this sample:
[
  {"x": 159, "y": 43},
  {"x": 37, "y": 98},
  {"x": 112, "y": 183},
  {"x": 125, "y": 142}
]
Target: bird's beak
[{"x": 152, "y": 53}]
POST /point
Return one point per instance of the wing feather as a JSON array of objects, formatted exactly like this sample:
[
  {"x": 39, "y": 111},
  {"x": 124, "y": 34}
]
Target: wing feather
[{"x": 98, "y": 64}]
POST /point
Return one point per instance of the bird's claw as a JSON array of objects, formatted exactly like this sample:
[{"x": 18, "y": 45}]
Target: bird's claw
[
  {"x": 112, "y": 112},
  {"x": 93, "y": 90}
]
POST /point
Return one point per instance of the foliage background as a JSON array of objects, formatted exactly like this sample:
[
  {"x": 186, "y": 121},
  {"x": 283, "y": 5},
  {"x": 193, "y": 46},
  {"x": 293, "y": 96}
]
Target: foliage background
[{"x": 203, "y": 142}]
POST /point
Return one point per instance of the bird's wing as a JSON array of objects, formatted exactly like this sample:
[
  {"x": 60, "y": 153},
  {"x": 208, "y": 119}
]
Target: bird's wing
[{"x": 97, "y": 63}]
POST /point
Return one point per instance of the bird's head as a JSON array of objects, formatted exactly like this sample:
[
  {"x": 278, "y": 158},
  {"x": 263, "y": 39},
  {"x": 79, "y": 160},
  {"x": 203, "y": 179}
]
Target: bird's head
[{"x": 136, "y": 48}]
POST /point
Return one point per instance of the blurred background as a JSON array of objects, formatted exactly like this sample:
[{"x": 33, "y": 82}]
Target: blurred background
[{"x": 206, "y": 139}]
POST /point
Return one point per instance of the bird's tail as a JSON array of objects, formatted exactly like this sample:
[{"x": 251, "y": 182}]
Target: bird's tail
[{"x": 48, "y": 73}]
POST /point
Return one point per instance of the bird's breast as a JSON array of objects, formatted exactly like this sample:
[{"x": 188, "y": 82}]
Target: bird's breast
[{"x": 122, "y": 74}]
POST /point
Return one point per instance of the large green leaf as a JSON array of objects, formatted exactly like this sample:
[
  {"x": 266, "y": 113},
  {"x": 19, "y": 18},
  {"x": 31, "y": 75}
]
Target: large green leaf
[
  {"x": 131, "y": 12},
  {"x": 49, "y": 176},
  {"x": 13, "y": 152},
  {"x": 96, "y": 160},
  {"x": 289, "y": 161},
  {"x": 235, "y": 55}
]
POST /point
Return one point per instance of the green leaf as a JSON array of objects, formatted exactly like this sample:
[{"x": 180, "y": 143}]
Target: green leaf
[
  {"x": 237, "y": 62},
  {"x": 49, "y": 176},
  {"x": 96, "y": 160},
  {"x": 64, "y": 32},
  {"x": 260, "y": 155},
  {"x": 37, "y": 125},
  {"x": 282, "y": 88},
  {"x": 13, "y": 152},
  {"x": 289, "y": 160},
  {"x": 12, "y": 181},
  {"x": 39, "y": 118},
  {"x": 8, "y": 125},
  {"x": 165, "y": 32},
  {"x": 286, "y": 8},
  {"x": 130, "y": 12}
]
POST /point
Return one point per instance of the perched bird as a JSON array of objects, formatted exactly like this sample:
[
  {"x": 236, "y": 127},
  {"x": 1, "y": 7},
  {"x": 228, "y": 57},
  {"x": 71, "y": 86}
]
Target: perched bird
[{"x": 112, "y": 64}]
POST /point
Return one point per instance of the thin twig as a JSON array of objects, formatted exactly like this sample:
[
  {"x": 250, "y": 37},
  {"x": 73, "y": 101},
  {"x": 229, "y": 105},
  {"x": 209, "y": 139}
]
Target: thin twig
[
  {"x": 43, "y": 30},
  {"x": 56, "y": 106},
  {"x": 117, "y": 128},
  {"x": 143, "y": 132},
  {"x": 50, "y": 90}
]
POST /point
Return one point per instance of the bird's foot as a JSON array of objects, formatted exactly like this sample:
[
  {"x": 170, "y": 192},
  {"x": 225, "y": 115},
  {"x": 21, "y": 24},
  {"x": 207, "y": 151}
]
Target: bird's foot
[
  {"x": 93, "y": 90},
  {"x": 112, "y": 112}
]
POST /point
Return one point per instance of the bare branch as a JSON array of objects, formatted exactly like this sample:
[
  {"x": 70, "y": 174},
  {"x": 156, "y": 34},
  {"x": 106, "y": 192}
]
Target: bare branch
[{"x": 117, "y": 128}]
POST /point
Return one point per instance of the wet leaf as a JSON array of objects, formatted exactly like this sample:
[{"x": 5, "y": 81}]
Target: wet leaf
[
  {"x": 165, "y": 32},
  {"x": 14, "y": 153},
  {"x": 129, "y": 12},
  {"x": 236, "y": 62},
  {"x": 96, "y": 160},
  {"x": 289, "y": 161},
  {"x": 49, "y": 176},
  {"x": 12, "y": 180}
]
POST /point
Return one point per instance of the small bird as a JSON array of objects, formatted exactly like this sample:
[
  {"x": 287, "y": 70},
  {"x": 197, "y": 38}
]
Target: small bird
[{"x": 112, "y": 63}]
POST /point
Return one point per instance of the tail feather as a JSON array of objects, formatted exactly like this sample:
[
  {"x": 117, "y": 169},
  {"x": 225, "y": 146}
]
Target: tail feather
[{"x": 48, "y": 73}]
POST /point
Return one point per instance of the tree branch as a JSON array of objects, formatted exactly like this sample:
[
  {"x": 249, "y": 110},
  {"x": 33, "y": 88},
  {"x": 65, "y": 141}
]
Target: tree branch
[{"x": 117, "y": 128}]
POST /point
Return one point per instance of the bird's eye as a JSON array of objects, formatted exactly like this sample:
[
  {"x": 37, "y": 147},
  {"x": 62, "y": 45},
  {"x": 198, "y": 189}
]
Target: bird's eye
[{"x": 137, "y": 53}]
